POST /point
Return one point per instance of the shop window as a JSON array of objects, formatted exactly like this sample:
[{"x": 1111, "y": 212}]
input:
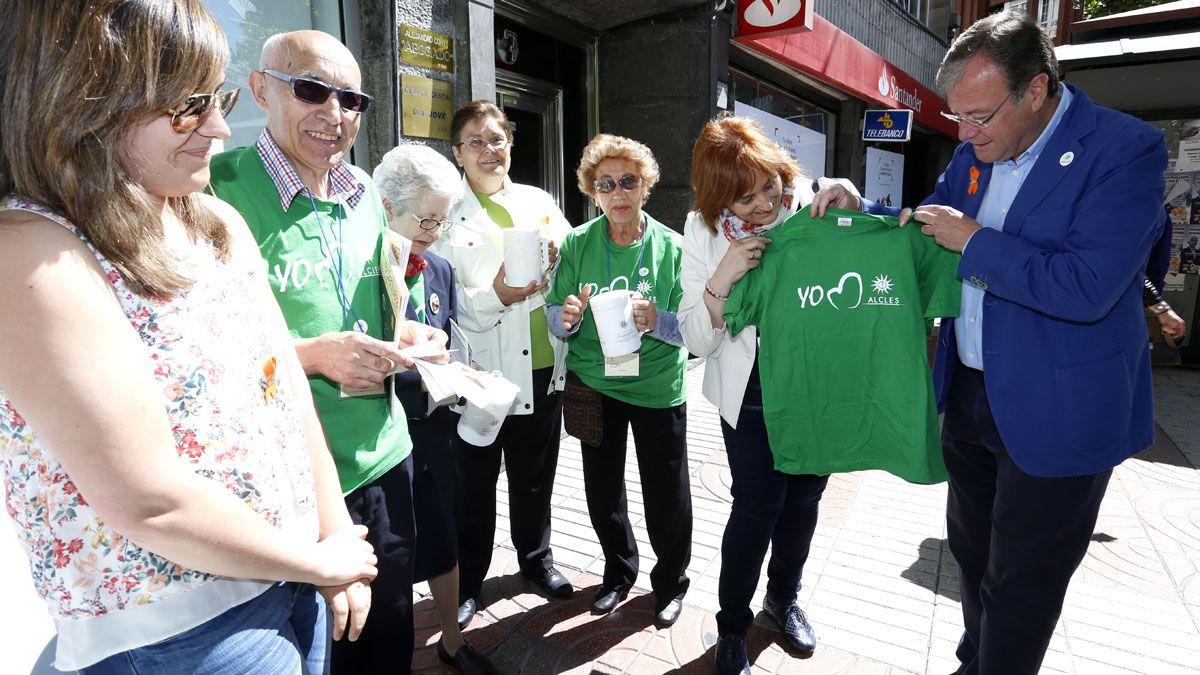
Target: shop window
[
  {"x": 247, "y": 24},
  {"x": 805, "y": 129},
  {"x": 1045, "y": 12}
]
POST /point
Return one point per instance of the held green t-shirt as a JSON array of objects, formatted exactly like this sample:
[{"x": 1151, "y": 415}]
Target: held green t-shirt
[
  {"x": 842, "y": 305},
  {"x": 541, "y": 354},
  {"x": 650, "y": 267},
  {"x": 365, "y": 439}
]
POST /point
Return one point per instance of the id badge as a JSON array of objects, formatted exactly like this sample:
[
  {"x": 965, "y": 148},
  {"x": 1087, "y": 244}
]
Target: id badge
[
  {"x": 622, "y": 366},
  {"x": 354, "y": 392}
]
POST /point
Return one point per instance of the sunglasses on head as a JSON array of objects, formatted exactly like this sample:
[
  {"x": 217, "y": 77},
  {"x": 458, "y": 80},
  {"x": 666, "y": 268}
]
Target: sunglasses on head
[
  {"x": 627, "y": 182},
  {"x": 188, "y": 115},
  {"x": 315, "y": 91}
]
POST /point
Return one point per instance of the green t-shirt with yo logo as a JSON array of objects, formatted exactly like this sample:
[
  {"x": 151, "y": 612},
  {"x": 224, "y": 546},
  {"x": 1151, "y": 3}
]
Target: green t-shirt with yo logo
[
  {"x": 842, "y": 305},
  {"x": 649, "y": 267}
]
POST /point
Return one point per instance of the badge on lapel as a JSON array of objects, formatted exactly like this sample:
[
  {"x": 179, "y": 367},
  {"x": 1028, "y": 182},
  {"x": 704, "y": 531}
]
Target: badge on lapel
[
  {"x": 974, "y": 186},
  {"x": 435, "y": 303}
]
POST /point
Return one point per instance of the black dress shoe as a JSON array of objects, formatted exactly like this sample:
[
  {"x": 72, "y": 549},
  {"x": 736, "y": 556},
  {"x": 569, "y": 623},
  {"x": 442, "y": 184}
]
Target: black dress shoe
[
  {"x": 607, "y": 599},
  {"x": 797, "y": 632},
  {"x": 552, "y": 583},
  {"x": 670, "y": 613},
  {"x": 466, "y": 612},
  {"x": 731, "y": 656},
  {"x": 466, "y": 660}
]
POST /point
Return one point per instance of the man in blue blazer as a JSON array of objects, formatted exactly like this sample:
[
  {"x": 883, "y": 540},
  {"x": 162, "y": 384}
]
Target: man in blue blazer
[{"x": 1045, "y": 376}]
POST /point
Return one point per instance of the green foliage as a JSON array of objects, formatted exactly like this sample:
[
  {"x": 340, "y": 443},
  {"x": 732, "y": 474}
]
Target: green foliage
[{"x": 1093, "y": 9}]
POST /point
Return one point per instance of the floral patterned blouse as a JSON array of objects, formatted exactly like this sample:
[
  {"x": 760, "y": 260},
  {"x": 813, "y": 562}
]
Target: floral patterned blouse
[{"x": 213, "y": 354}]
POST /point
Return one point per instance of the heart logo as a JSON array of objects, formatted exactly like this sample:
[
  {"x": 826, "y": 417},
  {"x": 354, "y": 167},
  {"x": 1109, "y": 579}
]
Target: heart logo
[{"x": 841, "y": 287}]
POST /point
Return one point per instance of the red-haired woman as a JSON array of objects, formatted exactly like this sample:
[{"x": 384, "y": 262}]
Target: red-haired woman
[{"x": 745, "y": 185}]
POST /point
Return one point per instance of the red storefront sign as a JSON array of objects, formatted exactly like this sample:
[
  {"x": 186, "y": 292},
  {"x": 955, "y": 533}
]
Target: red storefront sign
[
  {"x": 772, "y": 17},
  {"x": 834, "y": 57}
]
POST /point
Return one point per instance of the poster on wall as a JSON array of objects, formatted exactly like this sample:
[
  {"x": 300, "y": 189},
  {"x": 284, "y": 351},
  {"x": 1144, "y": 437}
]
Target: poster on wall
[
  {"x": 885, "y": 177},
  {"x": 805, "y": 145},
  {"x": 1178, "y": 200},
  {"x": 1188, "y": 158}
]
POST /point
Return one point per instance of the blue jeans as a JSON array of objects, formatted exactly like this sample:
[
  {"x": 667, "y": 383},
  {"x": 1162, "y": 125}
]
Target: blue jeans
[
  {"x": 285, "y": 631},
  {"x": 769, "y": 507}
]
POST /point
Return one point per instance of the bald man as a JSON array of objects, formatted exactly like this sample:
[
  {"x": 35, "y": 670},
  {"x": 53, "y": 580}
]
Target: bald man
[{"x": 318, "y": 222}]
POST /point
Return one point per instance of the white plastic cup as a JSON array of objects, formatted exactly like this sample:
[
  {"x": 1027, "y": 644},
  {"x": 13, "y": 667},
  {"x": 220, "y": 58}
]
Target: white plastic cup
[
  {"x": 481, "y": 419},
  {"x": 526, "y": 255},
  {"x": 613, "y": 313}
]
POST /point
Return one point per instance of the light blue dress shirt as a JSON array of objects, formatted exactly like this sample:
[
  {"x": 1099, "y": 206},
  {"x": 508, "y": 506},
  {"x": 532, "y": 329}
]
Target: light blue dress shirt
[{"x": 1007, "y": 178}]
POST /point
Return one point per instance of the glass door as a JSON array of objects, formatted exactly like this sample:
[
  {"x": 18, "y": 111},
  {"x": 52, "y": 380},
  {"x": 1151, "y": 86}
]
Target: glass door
[{"x": 535, "y": 109}]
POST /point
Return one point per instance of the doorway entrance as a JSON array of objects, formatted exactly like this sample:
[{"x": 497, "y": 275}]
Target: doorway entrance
[{"x": 546, "y": 84}]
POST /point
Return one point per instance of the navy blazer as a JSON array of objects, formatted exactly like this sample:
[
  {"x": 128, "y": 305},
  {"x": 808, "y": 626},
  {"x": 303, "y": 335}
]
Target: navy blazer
[
  {"x": 440, "y": 307},
  {"x": 1064, "y": 336}
]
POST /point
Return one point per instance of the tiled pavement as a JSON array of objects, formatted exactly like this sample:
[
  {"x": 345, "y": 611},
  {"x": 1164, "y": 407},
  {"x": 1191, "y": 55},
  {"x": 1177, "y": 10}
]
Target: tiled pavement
[{"x": 880, "y": 585}]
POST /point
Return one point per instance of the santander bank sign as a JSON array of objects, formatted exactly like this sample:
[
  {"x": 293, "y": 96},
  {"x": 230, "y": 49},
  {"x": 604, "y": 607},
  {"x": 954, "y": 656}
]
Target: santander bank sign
[{"x": 770, "y": 17}]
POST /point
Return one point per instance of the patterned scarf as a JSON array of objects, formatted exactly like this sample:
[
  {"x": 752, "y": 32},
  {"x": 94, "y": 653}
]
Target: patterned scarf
[
  {"x": 416, "y": 265},
  {"x": 736, "y": 228}
]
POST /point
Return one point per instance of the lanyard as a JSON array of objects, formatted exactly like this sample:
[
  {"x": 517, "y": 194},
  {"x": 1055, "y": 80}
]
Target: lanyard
[
  {"x": 336, "y": 268},
  {"x": 608, "y": 255}
]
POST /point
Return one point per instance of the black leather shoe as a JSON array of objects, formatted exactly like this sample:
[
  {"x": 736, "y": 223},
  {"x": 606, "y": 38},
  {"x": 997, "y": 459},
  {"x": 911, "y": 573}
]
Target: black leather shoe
[
  {"x": 670, "y": 613},
  {"x": 552, "y": 583},
  {"x": 797, "y": 632},
  {"x": 466, "y": 612},
  {"x": 731, "y": 656},
  {"x": 466, "y": 660},
  {"x": 607, "y": 599}
]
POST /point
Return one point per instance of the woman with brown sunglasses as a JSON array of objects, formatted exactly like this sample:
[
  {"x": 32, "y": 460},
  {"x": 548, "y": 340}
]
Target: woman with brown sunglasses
[{"x": 178, "y": 503}]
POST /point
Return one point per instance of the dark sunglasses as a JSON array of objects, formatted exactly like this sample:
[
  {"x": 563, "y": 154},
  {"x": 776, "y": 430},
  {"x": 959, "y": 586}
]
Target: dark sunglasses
[
  {"x": 188, "y": 115},
  {"x": 315, "y": 91},
  {"x": 627, "y": 182}
]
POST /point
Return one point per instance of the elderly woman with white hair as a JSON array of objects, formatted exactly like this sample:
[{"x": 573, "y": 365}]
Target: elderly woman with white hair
[{"x": 419, "y": 188}]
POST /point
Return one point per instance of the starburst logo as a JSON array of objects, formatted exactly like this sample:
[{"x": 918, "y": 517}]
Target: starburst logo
[
  {"x": 881, "y": 284},
  {"x": 643, "y": 287}
]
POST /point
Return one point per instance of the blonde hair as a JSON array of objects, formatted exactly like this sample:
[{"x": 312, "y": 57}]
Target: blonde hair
[
  {"x": 75, "y": 79},
  {"x": 729, "y": 155},
  {"x": 607, "y": 146}
]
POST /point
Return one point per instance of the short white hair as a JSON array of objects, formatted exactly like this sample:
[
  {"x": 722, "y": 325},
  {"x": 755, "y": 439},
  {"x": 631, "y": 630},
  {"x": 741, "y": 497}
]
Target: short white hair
[{"x": 409, "y": 172}]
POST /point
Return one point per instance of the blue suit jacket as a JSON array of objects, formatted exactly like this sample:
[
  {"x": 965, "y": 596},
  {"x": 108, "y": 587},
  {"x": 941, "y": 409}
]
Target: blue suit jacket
[
  {"x": 1064, "y": 337},
  {"x": 439, "y": 284}
]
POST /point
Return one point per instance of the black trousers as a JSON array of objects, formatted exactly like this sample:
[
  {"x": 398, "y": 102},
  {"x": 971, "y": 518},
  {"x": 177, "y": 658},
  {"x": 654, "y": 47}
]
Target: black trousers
[
  {"x": 769, "y": 507},
  {"x": 385, "y": 506},
  {"x": 660, "y": 441},
  {"x": 1017, "y": 538},
  {"x": 529, "y": 445}
]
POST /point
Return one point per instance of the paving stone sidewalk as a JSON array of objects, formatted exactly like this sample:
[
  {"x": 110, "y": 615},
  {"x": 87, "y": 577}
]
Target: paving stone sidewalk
[{"x": 880, "y": 587}]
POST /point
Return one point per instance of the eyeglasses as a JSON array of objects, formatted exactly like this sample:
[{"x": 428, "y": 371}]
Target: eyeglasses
[
  {"x": 979, "y": 123},
  {"x": 476, "y": 144},
  {"x": 315, "y": 91},
  {"x": 627, "y": 182},
  {"x": 188, "y": 115},
  {"x": 431, "y": 223}
]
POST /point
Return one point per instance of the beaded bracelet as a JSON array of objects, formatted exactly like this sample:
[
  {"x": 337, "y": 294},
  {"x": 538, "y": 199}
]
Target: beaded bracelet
[{"x": 716, "y": 296}]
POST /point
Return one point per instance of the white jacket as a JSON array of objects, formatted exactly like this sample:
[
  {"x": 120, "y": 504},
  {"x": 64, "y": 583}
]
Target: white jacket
[
  {"x": 499, "y": 335},
  {"x": 729, "y": 360}
]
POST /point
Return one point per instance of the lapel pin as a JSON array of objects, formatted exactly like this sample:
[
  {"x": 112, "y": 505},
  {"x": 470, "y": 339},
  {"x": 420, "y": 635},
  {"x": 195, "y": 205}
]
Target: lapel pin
[{"x": 1067, "y": 158}]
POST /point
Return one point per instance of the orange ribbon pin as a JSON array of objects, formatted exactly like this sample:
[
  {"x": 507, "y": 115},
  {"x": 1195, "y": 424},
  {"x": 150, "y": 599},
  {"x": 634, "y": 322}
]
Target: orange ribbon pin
[{"x": 974, "y": 186}]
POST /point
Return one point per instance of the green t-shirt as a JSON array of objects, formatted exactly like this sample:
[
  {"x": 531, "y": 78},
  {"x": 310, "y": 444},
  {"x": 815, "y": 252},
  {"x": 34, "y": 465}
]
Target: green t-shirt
[
  {"x": 541, "y": 354},
  {"x": 842, "y": 305},
  {"x": 650, "y": 267},
  {"x": 365, "y": 439}
]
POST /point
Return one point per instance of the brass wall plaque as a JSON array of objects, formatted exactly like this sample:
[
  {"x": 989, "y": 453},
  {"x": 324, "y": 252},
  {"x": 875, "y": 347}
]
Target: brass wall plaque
[
  {"x": 420, "y": 47},
  {"x": 427, "y": 105}
]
